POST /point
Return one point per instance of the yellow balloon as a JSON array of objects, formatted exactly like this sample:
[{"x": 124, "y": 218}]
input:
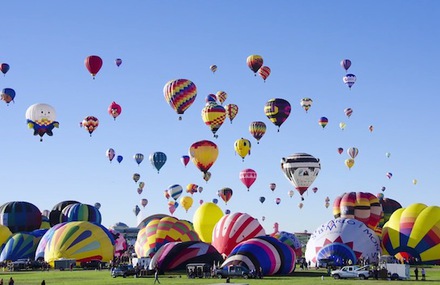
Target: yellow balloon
[
  {"x": 203, "y": 154},
  {"x": 204, "y": 220},
  {"x": 349, "y": 162},
  {"x": 414, "y": 181},
  {"x": 342, "y": 125},
  {"x": 186, "y": 202},
  {"x": 5, "y": 234},
  {"x": 242, "y": 147}
]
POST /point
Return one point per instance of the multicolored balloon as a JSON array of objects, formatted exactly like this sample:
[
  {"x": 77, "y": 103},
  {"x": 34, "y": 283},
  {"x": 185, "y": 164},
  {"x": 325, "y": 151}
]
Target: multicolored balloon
[
  {"x": 264, "y": 72},
  {"x": 225, "y": 194},
  {"x": 353, "y": 152},
  {"x": 203, "y": 154},
  {"x": 213, "y": 115},
  {"x": 349, "y": 162},
  {"x": 349, "y": 80},
  {"x": 389, "y": 175},
  {"x": 348, "y": 112},
  {"x": 90, "y": 123},
  {"x": 221, "y": 96},
  {"x": 93, "y": 64},
  {"x": 257, "y": 130},
  {"x": 211, "y": 98},
  {"x": 323, "y": 121},
  {"x": 20, "y": 216},
  {"x": 41, "y": 118},
  {"x": 136, "y": 177},
  {"x": 231, "y": 111},
  {"x": 277, "y": 201},
  {"x": 277, "y": 110},
  {"x": 306, "y": 103},
  {"x": 175, "y": 191},
  {"x": 247, "y": 177},
  {"x": 213, "y": 68},
  {"x": 180, "y": 94},
  {"x": 8, "y": 95},
  {"x": 340, "y": 150},
  {"x": 342, "y": 125},
  {"x": 254, "y": 62},
  {"x": 185, "y": 159}
]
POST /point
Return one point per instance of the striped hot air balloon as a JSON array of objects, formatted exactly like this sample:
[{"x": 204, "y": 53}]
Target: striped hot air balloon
[
  {"x": 180, "y": 94},
  {"x": 213, "y": 116},
  {"x": 254, "y": 62},
  {"x": 257, "y": 130},
  {"x": 231, "y": 111}
]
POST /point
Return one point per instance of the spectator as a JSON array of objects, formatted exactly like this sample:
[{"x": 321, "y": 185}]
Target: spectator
[
  {"x": 11, "y": 281},
  {"x": 416, "y": 272},
  {"x": 43, "y": 282},
  {"x": 423, "y": 274},
  {"x": 156, "y": 276}
]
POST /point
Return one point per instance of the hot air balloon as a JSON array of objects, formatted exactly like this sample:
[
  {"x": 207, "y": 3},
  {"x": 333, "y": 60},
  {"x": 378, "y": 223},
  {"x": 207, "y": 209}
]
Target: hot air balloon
[
  {"x": 41, "y": 118},
  {"x": 158, "y": 160},
  {"x": 213, "y": 116},
  {"x": 166, "y": 194},
  {"x": 343, "y": 239},
  {"x": 300, "y": 205},
  {"x": 248, "y": 177},
  {"x": 97, "y": 205},
  {"x": 340, "y": 150},
  {"x": 389, "y": 175},
  {"x": 254, "y": 62},
  {"x": 211, "y": 98},
  {"x": 277, "y": 201},
  {"x": 200, "y": 189},
  {"x": 264, "y": 72},
  {"x": 110, "y": 153},
  {"x": 22, "y": 246},
  {"x": 114, "y": 110},
  {"x": 8, "y": 95},
  {"x": 242, "y": 147},
  {"x": 136, "y": 177},
  {"x": 231, "y": 111},
  {"x": 118, "y": 62},
  {"x": 352, "y": 152},
  {"x": 215, "y": 201},
  {"x": 203, "y": 154},
  {"x": 144, "y": 202},
  {"x": 346, "y": 63},
  {"x": 257, "y": 130},
  {"x": 277, "y": 110},
  {"x": 185, "y": 159},
  {"x": 172, "y": 208},
  {"x": 349, "y": 80},
  {"x": 234, "y": 228},
  {"x": 201, "y": 201},
  {"x": 207, "y": 176},
  {"x": 383, "y": 188},
  {"x": 175, "y": 191},
  {"x": 362, "y": 206},
  {"x": 272, "y": 186},
  {"x": 411, "y": 234},
  {"x": 20, "y": 216},
  {"x": 371, "y": 128},
  {"x": 342, "y": 125},
  {"x": 387, "y": 154},
  {"x": 55, "y": 214},
  {"x": 323, "y": 121},
  {"x": 349, "y": 162},
  {"x": 306, "y": 103},
  {"x": 262, "y": 199},
  {"x": 119, "y": 158},
  {"x": 348, "y": 112},
  {"x": 290, "y": 193},
  {"x": 205, "y": 218},
  {"x": 191, "y": 188},
  {"x": 180, "y": 94},
  {"x": 225, "y": 194},
  {"x": 315, "y": 189},
  {"x": 93, "y": 64},
  {"x": 81, "y": 212},
  {"x": 4, "y": 67},
  {"x": 186, "y": 202},
  {"x": 301, "y": 169},
  {"x": 414, "y": 181},
  {"x": 221, "y": 96},
  {"x": 389, "y": 206},
  {"x": 213, "y": 68},
  {"x": 139, "y": 190},
  {"x": 90, "y": 123},
  {"x": 141, "y": 185},
  {"x": 138, "y": 157}
]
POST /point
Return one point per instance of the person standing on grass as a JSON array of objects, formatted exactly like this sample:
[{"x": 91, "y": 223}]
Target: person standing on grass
[
  {"x": 11, "y": 281},
  {"x": 423, "y": 274},
  {"x": 416, "y": 273},
  {"x": 156, "y": 276}
]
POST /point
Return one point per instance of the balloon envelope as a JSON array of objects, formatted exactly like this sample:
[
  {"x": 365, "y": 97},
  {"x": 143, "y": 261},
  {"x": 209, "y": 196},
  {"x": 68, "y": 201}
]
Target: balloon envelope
[{"x": 205, "y": 218}]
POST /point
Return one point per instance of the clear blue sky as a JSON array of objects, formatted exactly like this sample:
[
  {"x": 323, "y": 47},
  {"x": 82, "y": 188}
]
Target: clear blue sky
[{"x": 393, "y": 46}]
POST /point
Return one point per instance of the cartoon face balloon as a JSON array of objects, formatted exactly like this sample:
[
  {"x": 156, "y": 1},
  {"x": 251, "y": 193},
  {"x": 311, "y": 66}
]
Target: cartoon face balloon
[{"x": 41, "y": 118}]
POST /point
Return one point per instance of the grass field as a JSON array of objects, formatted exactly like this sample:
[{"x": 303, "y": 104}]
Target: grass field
[{"x": 310, "y": 277}]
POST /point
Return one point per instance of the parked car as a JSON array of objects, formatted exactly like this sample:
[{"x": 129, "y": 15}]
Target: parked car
[
  {"x": 124, "y": 271},
  {"x": 234, "y": 271},
  {"x": 93, "y": 264},
  {"x": 351, "y": 271}
]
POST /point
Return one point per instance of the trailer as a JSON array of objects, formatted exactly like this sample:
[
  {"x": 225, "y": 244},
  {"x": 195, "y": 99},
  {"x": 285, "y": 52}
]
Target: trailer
[
  {"x": 394, "y": 269},
  {"x": 62, "y": 264}
]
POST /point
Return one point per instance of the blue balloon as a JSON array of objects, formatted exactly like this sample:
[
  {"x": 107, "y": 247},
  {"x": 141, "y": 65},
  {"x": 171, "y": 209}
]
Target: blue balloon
[
  {"x": 215, "y": 200},
  {"x": 138, "y": 157},
  {"x": 158, "y": 160},
  {"x": 119, "y": 158}
]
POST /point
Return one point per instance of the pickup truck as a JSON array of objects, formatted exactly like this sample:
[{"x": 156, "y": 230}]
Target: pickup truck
[
  {"x": 351, "y": 271},
  {"x": 234, "y": 271}
]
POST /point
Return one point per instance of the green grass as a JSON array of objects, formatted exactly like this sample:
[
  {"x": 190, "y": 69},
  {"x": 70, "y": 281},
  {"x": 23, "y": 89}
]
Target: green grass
[{"x": 309, "y": 277}]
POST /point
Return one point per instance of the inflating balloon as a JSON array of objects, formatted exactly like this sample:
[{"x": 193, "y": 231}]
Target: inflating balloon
[
  {"x": 205, "y": 218},
  {"x": 180, "y": 94}
]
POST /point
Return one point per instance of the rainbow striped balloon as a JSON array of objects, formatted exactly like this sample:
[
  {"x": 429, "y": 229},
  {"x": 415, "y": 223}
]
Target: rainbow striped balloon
[{"x": 180, "y": 94}]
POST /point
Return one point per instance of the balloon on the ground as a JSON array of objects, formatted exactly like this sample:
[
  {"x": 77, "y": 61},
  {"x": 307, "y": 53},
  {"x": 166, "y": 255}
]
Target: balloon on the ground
[
  {"x": 277, "y": 110},
  {"x": 180, "y": 94},
  {"x": 343, "y": 239},
  {"x": 120, "y": 243},
  {"x": 55, "y": 214},
  {"x": 93, "y": 64},
  {"x": 205, "y": 218},
  {"x": 41, "y": 247},
  {"x": 5, "y": 234},
  {"x": 41, "y": 118},
  {"x": 412, "y": 233},
  {"x": 176, "y": 255},
  {"x": 265, "y": 252},
  {"x": 20, "y": 216},
  {"x": 82, "y": 241},
  {"x": 247, "y": 177},
  {"x": 81, "y": 212},
  {"x": 301, "y": 169},
  {"x": 234, "y": 228},
  {"x": 362, "y": 206},
  {"x": 21, "y": 246},
  {"x": 289, "y": 239},
  {"x": 389, "y": 206}
]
